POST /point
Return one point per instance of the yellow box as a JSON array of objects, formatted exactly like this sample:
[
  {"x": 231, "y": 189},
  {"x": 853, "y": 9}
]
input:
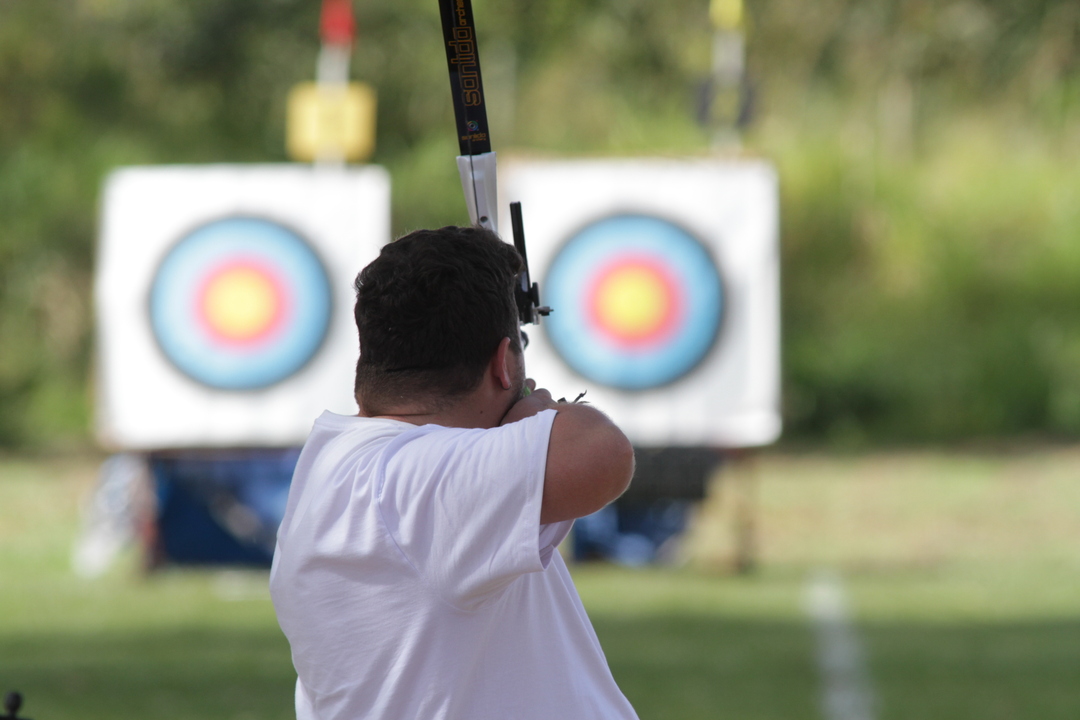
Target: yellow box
[
  {"x": 331, "y": 122},
  {"x": 727, "y": 14}
]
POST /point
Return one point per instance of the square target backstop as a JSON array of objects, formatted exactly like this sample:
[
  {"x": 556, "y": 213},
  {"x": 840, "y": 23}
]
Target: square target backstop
[
  {"x": 663, "y": 276},
  {"x": 224, "y": 301}
]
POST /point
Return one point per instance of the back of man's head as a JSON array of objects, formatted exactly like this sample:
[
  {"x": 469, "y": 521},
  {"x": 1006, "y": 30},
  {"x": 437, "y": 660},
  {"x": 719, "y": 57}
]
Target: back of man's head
[{"x": 431, "y": 311}]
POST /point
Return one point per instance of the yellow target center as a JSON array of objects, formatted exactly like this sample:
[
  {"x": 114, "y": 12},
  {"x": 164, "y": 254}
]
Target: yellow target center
[
  {"x": 241, "y": 303},
  {"x": 632, "y": 302}
]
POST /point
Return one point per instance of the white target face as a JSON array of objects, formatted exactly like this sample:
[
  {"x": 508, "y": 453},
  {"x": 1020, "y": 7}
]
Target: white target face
[
  {"x": 663, "y": 280},
  {"x": 225, "y": 301}
]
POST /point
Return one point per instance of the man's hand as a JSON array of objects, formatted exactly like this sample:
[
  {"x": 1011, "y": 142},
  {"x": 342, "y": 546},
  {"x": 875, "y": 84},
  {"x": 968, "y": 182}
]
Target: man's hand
[
  {"x": 533, "y": 402},
  {"x": 589, "y": 462}
]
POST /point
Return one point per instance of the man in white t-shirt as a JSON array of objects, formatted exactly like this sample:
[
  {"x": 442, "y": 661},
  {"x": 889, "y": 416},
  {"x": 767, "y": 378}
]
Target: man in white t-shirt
[{"x": 416, "y": 574}]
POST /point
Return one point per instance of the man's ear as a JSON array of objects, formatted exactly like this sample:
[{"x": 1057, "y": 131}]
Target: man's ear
[{"x": 500, "y": 364}]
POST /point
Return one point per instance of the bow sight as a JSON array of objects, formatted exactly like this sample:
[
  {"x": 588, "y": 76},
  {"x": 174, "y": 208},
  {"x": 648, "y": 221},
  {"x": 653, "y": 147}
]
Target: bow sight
[{"x": 527, "y": 293}]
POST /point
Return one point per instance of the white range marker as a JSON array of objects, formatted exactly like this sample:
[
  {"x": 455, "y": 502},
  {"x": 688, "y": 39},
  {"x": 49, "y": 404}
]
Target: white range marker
[{"x": 846, "y": 692}]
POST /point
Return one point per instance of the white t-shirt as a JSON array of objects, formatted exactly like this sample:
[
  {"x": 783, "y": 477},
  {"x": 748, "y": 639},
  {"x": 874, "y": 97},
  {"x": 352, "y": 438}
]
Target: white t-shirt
[{"x": 414, "y": 580}]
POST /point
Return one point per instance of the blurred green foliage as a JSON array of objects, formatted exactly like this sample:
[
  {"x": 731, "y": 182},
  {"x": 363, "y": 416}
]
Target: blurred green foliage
[{"x": 928, "y": 154}]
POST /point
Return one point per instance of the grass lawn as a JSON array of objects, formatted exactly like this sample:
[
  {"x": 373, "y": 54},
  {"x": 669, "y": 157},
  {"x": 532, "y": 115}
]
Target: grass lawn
[{"x": 963, "y": 574}]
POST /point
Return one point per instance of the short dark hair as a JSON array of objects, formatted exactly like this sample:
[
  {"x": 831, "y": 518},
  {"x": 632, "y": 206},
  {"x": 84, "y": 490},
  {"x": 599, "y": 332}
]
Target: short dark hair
[{"x": 430, "y": 311}]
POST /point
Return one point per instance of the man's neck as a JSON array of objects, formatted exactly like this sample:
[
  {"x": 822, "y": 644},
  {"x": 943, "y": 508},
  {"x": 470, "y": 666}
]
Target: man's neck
[
  {"x": 469, "y": 412},
  {"x": 484, "y": 406}
]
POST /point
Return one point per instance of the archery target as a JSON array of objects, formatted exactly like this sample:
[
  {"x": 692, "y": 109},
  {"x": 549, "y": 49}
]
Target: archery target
[
  {"x": 663, "y": 278},
  {"x": 240, "y": 304},
  {"x": 640, "y": 299},
  {"x": 224, "y": 301}
]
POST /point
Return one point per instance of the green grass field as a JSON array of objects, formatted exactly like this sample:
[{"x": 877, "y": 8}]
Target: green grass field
[{"x": 963, "y": 573}]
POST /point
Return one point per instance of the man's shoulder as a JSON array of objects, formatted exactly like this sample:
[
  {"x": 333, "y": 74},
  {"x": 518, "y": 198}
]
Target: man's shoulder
[
  {"x": 339, "y": 442},
  {"x": 331, "y": 428},
  {"x": 439, "y": 439}
]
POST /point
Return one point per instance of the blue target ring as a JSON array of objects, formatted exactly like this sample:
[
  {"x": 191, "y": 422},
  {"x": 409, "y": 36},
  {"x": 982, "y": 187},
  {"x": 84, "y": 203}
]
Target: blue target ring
[
  {"x": 638, "y": 302},
  {"x": 240, "y": 303}
]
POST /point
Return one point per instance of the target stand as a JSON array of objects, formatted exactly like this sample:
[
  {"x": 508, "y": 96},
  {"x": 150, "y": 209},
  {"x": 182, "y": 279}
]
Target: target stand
[
  {"x": 663, "y": 279},
  {"x": 224, "y": 298}
]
